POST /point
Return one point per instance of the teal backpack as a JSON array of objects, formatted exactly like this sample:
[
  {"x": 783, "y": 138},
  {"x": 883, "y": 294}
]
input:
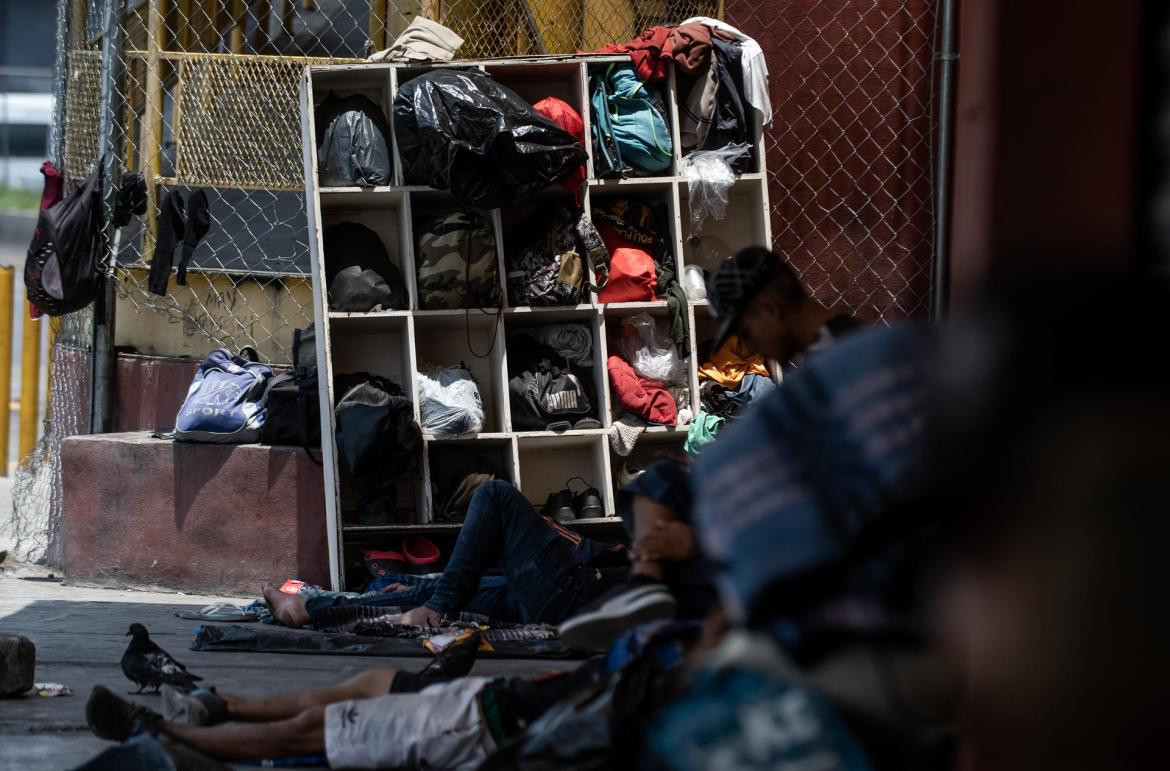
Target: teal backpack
[{"x": 629, "y": 124}]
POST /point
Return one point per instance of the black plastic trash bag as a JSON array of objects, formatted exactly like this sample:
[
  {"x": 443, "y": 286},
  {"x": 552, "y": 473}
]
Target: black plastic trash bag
[
  {"x": 460, "y": 130},
  {"x": 353, "y": 146}
]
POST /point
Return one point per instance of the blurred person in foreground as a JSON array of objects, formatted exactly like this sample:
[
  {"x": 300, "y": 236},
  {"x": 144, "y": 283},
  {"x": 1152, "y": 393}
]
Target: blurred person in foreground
[
  {"x": 805, "y": 511},
  {"x": 1052, "y": 426}
]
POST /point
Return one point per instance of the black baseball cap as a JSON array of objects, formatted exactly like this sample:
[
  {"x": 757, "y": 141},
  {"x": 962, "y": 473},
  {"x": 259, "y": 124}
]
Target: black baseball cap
[{"x": 737, "y": 282}]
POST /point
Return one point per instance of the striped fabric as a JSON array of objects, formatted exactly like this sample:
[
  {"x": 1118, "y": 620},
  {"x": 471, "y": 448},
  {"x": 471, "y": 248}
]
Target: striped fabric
[{"x": 792, "y": 487}]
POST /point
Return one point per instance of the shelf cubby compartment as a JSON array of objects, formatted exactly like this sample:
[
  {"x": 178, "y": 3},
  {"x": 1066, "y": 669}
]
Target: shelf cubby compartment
[
  {"x": 661, "y": 195},
  {"x": 666, "y": 91},
  {"x": 471, "y": 338},
  {"x": 382, "y": 210},
  {"x": 425, "y": 205},
  {"x": 516, "y": 222},
  {"x": 447, "y": 458},
  {"x": 746, "y": 224},
  {"x": 374, "y": 83},
  {"x": 653, "y": 444},
  {"x": 547, "y": 463},
  {"x": 593, "y": 376},
  {"x": 534, "y": 82},
  {"x": 379, "y": 345},
  {"x": 615, "y": 313}
]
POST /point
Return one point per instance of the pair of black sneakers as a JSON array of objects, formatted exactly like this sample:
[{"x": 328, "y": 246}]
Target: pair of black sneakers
[{"x": 566, "y": 506}]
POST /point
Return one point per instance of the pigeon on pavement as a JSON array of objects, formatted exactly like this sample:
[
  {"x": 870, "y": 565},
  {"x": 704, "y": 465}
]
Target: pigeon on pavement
[{"x": 149, "y": 666}]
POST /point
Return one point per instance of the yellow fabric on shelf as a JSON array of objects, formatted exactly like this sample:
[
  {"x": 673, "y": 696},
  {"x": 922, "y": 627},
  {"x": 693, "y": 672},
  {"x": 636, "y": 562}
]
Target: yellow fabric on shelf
[{"x": 729, "y": 365}]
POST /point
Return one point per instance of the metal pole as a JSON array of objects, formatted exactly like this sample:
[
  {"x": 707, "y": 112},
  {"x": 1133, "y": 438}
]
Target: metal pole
[
  {"x": 6, "y": 295},
  {"x": 108, "y": 153},
  {"x": 60, "y": 73},
  {"x": 30, "y": 382},
  {"x": 946, "y": 58}
]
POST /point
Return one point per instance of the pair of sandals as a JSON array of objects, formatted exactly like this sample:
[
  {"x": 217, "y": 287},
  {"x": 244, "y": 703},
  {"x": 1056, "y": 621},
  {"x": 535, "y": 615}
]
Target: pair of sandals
[{"x": 567, "y": 506}]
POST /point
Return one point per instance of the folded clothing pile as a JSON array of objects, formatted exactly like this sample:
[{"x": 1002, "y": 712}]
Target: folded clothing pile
[
  {"x": 545, "y": 390},
  {"x": 731, "y": 403},
  {"x": 730, "y": 381},
  {"x": 647, "y": 375}
]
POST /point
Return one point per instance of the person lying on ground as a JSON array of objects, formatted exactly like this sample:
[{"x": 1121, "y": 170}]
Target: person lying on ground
[
  {"x": 548, "y": 572},
  {"x": 383, "y": 718},
  {"x": 668, "y": 576}
]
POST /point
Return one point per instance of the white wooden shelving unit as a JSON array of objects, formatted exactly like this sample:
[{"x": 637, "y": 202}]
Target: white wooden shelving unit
[{"x": 396, "y": 344}]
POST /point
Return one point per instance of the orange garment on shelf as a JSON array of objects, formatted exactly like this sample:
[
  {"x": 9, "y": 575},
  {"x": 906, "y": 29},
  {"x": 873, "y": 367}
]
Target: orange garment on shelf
[{"x": 729, "y": 365}]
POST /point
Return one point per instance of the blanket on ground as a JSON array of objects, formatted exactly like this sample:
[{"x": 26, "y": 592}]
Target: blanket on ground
[{"x": 380, "y": 638}]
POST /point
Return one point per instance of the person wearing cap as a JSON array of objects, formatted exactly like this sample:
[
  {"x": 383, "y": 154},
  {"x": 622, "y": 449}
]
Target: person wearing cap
[{"x": 756, "y": 296}]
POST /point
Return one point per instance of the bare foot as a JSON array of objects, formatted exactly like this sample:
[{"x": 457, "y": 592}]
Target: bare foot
[{"x": 289, "y": 609}]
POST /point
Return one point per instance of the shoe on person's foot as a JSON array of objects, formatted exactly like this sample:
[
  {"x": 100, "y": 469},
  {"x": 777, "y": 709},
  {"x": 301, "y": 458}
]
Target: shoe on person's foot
[
  {"x": 111, "y": 717},
  {"x": 560, "y": 506},
  {"x": 203, "y": 706},
  {"x": 456, "y": 660},
  {"x": 601, "y": 622}
]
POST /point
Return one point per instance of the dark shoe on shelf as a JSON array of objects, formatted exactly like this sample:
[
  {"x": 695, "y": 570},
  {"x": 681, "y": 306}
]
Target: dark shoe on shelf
[
  {"x": 560, "y": 506},
  {"x": 601, "y": 622},
  {"x": 587, "y": 503}
]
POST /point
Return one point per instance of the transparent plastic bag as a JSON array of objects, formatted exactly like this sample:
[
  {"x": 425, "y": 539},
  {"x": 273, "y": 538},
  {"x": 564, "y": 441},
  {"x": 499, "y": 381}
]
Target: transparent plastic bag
[
  {"x": 449, "y": 401},
  {"x": 647, "y": 346},
  {"x": 709, "y": 176}
]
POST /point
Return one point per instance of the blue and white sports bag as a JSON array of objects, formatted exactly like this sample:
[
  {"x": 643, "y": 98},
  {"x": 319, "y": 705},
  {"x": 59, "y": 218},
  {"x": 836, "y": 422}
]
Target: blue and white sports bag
[{"x": 226, "y": 400}]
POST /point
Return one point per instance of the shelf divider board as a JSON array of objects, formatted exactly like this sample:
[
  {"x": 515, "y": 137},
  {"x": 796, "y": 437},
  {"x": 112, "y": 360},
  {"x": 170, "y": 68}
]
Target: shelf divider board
[
  {"x": 392, "y": 90},
  {"x": 321, "y": 318},
  {"x": 672, "y": 118},
  {"x": 586, "y": 116}
]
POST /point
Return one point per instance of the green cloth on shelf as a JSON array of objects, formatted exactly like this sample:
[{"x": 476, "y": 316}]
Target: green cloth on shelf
[{"x": 702, "y": 432}]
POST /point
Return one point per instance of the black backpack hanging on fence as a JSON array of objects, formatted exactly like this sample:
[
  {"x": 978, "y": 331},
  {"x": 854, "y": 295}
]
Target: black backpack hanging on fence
[
  {"x": 61, "y": 272},
  {"x": 294, "y": 409}
]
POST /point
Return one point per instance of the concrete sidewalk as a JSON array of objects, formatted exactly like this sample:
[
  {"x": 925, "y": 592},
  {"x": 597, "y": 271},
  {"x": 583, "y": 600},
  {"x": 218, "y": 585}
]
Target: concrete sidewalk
[{"x": 80, "y": 637}]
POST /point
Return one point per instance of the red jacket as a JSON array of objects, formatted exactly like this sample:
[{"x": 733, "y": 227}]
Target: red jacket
[{"x": 688, "y": 44}]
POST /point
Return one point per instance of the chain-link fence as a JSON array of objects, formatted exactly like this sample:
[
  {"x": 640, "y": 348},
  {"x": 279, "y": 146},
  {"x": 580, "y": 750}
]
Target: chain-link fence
[{"x": 206, "y": 96}]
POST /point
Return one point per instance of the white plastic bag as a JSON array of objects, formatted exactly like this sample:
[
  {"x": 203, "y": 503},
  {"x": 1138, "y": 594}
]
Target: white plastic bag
[
  {"x": 449, "y": 401},
  {"x": 646, "y": 345},
  {"x": 709, "y": 177}
]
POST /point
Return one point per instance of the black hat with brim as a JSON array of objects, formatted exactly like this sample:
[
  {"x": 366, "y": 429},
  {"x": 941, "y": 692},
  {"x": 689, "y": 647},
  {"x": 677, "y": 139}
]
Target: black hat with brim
[{"x": 736, "y": 284}]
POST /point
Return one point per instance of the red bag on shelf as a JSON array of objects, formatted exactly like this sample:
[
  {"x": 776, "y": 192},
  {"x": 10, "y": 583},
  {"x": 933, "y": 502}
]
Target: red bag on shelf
[{"x": 562, "y": 114}]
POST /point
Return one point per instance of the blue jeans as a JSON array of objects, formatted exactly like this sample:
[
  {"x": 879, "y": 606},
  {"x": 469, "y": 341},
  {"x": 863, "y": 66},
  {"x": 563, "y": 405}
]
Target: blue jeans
[
  {"x": 491, "y": 599},
  {"x": 504, "y": 531},
  {"x": 540, "y": 579}
]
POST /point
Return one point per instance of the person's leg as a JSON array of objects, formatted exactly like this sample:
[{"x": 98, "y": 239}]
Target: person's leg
[
  {"x": 297, "y": 610},
  {"x": 366, "y": 685},
  {"x": 302, "y": 734},
  {"x": 502, "y": 529}
]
